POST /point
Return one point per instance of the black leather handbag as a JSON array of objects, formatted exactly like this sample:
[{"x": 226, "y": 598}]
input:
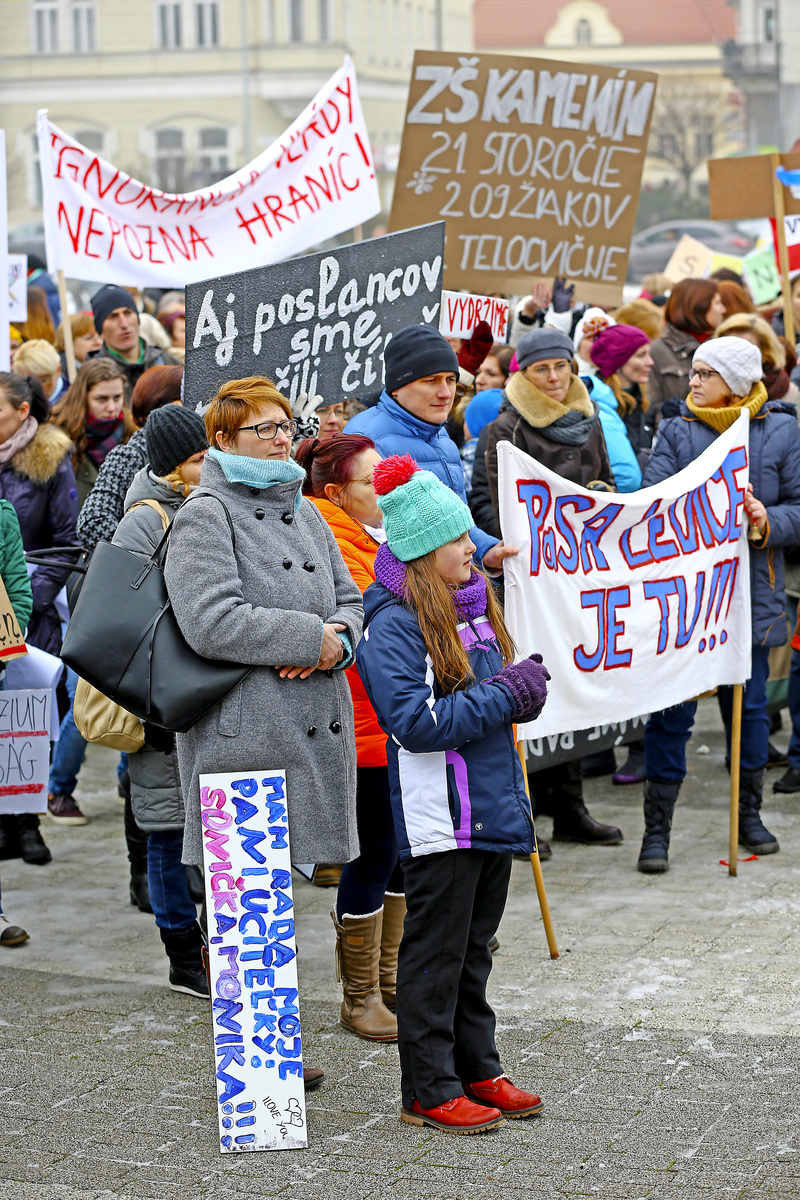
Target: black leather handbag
[{"x": 123, "y": 638}]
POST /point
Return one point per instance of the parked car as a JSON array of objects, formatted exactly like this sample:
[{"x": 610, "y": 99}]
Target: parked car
[{"x": 652, "y": 249}]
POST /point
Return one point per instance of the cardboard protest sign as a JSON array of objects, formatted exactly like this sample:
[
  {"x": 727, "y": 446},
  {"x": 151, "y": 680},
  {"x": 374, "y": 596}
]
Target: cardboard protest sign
[
  {"x": 317, "y": 324},
  {"x": 534, "y": 164},
  {"x": 461, "y": 312},
  {"x": 315, "y": 181},
  {"x": 761, "y": 275},
  {"x": 12, "y": 642},
  {"x": 690, "y": 260},
  {"x": 251, "y": 946},
  {"x": 741, "y": 188},
  {"x": 17, "y": 288},
  {"x": 25, "y": 718},
  {"x": 641, "y": 594}
]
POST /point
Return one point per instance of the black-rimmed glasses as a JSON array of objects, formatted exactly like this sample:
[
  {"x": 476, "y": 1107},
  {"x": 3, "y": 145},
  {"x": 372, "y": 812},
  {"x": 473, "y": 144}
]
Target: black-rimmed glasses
[{"x": 267, "y": 430}]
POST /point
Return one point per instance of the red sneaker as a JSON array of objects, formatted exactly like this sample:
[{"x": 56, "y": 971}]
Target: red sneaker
[
  {"x": 503, "y": 1095},
  {"x": 455, "y": 1116}
]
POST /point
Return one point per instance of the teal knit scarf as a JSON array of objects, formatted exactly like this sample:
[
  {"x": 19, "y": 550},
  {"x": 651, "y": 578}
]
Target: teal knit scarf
[{"x": 259, "y": 472}]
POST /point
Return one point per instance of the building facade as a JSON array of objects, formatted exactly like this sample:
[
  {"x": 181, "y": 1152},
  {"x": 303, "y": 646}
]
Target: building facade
[
  {"x": 764, "y": 61},
  {"x": 179, "y": 93},
  {"x": 698, "y": 110}
]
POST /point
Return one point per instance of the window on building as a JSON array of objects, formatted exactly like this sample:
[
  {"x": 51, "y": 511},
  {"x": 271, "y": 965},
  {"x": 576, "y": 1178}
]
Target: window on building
[
  {"x": 269, "y": 22},
  {"x": 45, "y": 26},
  {"x": 295, "y": 20},
  {"x": 213, "y": 162},
  {"x": 170, "y": 32},
  {"x": 207, "y": 23},
  {"x": 583, "y": 32},
  {"x": 325, "y": 11},
  {"x": 667, "y": 146},
  {"x": 36, "y": 174},
  {"x": 767, "y": 20},
  {"x": 92, "y": 139},
  {"x": 84, "y": 40},
  {"x": 704, "y": 140},
  {"x": 170, "y": 160}
]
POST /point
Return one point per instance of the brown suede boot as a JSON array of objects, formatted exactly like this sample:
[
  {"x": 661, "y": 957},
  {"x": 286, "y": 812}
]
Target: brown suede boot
[
  {"x": 358, "y": 942},
  {"x": 394, "y": 911}
]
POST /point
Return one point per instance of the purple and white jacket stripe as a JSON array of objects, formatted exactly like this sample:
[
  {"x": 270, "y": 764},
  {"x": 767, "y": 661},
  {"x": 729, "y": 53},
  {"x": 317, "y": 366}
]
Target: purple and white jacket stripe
[{"x": 456, "y": 781}]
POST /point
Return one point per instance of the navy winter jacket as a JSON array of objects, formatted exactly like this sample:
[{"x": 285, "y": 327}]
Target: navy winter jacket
[
  {"x": 775, "y": 476},
  {"x": 454, "y": 773},
  {"x": 395, "y": 430}
]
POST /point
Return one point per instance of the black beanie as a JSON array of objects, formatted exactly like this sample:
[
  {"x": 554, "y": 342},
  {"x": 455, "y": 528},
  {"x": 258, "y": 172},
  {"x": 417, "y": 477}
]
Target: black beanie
[
  {"x": 414, "y": 353},
  {"x": 107, "y": 299},
  {"x": 173, "y": 434}
]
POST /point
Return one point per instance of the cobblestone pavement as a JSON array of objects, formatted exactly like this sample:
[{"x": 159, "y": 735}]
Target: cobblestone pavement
[{"x": 663, "y": 1040}]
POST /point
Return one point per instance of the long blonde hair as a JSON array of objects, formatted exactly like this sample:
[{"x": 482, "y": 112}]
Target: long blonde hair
[
  {"x": 625, "y": 401},
  {"x": 432, "y": 599}
]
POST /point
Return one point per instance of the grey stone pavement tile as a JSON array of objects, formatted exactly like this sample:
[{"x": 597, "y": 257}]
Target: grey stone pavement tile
[{"x": 664, "y": 1039}]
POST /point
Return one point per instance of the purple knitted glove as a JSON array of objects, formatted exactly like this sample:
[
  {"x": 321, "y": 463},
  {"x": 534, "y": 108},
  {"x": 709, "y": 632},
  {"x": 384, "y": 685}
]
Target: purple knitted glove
[{"x": 527, "y": 683}]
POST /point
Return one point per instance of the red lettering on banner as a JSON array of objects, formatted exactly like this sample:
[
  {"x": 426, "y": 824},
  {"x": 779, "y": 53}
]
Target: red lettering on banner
[
  {"x": 90, "y": 230},
  {"x": 345, "y": 185},
  {"x": 126, "y": 229},
  {"x": 195, "y": 239},
  {"x": 182, "y": 249},
  {"x": 149, "y": 197},
  {"x": 346, "y": 92},
  {"x": 123, "y": 185},
  {"x": 277, "y": 211},
  {"x": 245, "y": 223},
  {"x": 94, "y": 166},
  {"x": 116, "y": 230},
  {"x": 326, "y": 190},
  {"x": 331, "y": 128},
  {"x": 150, "y": 243},
  {"x": 296, "y": 198},
  {"x": 71, "y": 167},
  {"x": 76, "y": 236}
]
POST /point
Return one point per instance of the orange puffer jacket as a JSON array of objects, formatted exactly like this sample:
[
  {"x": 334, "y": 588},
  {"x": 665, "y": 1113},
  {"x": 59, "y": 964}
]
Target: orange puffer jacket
[{"x": 358, "y": 551}]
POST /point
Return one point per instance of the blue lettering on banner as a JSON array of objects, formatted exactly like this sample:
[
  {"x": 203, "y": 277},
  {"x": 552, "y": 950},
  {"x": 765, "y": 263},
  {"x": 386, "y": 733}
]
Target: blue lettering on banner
[{"x": 256, "y": 1020}]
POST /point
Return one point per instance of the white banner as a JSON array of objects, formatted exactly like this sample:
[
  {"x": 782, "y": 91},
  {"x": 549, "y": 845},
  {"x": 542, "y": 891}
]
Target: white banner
[
  {"x": 17, "y": 288},
  {"x": 25, "y": 718},
  {"x": 636, "y": 601},
  {"x": 251, "y": 946},
  {"x": 316, "y": 181}
]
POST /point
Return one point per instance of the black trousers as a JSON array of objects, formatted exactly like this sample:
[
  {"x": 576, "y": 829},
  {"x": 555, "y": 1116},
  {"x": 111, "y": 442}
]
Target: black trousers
[{"x": 445, "y": 1025}]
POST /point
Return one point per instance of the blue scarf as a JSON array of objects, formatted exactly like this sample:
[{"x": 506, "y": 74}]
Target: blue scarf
[{"x": 259, "y": 472}]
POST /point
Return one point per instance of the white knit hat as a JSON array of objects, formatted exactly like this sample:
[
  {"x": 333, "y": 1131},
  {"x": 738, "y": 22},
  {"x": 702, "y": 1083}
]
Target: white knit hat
[{"x": 737, "y": 361}]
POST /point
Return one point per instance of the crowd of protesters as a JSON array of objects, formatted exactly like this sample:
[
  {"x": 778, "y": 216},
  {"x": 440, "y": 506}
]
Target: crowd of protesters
[{"x": 354, "y": 563}]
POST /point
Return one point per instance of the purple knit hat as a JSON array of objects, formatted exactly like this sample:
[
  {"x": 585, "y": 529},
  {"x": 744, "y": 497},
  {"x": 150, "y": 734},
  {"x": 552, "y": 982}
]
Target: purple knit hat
[{"x": 613, "y": 346}]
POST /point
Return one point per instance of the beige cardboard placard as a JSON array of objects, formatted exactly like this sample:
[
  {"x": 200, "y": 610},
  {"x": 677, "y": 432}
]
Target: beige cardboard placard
[
  {"x": 690, "y": 260},
  {"x": 741, "y": 188},
  {"x": 535, "y": 166},
  {"x": 12, "y": 643}
]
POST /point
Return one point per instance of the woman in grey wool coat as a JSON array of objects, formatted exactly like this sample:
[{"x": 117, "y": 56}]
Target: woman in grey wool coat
[{"x": 279, "y": 597}]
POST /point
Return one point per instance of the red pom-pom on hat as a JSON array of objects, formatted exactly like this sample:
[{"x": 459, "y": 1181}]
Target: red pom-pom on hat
[{"x": 393, "y": 471}]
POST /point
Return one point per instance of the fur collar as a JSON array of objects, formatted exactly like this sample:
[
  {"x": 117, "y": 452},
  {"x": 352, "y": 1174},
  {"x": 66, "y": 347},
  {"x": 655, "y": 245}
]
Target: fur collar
[
  {"x": 538, "y": 409},
  {"x": 43, "y": 455}
]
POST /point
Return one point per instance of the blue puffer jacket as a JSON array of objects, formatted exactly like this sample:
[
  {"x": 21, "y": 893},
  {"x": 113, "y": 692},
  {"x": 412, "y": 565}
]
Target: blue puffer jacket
[
  {"x": 621, "y": 455},
  {"x": 455, "y": 776},
  {"x": 394, "y": 430},
  {"x": 775, "y": 476}
]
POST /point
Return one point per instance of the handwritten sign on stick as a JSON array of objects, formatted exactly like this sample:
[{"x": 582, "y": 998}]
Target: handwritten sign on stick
[
  {"x": 251, "y": 946},
  {"x": 652, "y": 588},
  {"x": 12, "y": 643},
  {"x": 317, "y": 324},
  {"x": 17, "y": 287},
  {"x": 534, "y": 164},
  {"x": 461, "y": 312},
  {"x": 24, "y": 750}
]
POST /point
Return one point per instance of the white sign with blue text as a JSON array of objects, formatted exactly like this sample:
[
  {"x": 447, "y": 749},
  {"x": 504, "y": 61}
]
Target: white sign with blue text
[{"x": 256, "y": 1016}]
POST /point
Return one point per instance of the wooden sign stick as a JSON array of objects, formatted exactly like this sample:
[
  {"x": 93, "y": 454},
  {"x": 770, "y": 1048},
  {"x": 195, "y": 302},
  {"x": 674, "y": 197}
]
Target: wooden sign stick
[
  {"x": 736, "y": 754},
  {"x": 783, "y": 253},
  {"x": 69, "y": 348},
  {"x": 537, "y": 866}
]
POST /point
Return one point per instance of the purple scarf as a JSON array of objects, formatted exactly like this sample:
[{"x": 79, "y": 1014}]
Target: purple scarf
[
  {"x": 469, "y": 599},
  {"x": 102, "y": 437}
]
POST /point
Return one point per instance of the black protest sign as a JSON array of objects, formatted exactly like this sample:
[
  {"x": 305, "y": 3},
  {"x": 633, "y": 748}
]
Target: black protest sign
[{"x": 318, "y": 324}]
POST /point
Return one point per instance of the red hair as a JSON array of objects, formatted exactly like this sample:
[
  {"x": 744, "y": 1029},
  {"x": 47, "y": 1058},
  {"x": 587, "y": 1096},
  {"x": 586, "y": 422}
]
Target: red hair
[
  {"x": 688, "y": 303},
  {"x": 330, "y": 461}
]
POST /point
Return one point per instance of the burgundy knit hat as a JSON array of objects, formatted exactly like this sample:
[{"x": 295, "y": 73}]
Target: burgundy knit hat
[{"x": 612, "y": 347}]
